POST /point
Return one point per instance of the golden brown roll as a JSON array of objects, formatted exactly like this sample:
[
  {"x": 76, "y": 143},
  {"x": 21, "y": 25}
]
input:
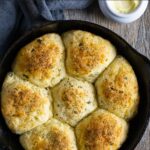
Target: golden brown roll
[
  {"x": 101, "y": 131},
  {"x": 24, "y": 106},
  {"x": 41, "y": 61},
  {"x": 87, "y": 54},
  {"x": 117, "y": 89},
  {"x": 53, "y": 135},
  {"x": 73, "y": 100}
]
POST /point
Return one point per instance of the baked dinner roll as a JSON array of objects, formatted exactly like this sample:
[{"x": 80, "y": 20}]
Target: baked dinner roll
[
  {"x": 41, "y": 61},
  {"x": 87, "y": 54},
  {"x": 73, "y": 100},
  {"x": 53, "y": 135},
  {"x": 23, "y": 105},
  {"x": 101, "y": 131},
  {"x": 117, "y": 89}
]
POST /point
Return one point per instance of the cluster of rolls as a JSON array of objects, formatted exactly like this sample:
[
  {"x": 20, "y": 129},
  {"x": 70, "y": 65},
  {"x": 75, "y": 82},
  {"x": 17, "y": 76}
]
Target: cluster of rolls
[{"x": 70, "y": 92}]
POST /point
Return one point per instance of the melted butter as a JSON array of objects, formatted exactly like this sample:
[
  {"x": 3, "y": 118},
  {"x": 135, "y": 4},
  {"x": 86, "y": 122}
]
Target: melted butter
[{"x": 124, "y": 6}]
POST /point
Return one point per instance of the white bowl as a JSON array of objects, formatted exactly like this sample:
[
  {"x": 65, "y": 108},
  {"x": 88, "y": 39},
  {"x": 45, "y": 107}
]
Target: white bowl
[{"x": 121, "y": 17}]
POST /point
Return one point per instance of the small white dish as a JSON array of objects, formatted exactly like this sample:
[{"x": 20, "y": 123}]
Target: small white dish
[{"x": 122, "y": 17}]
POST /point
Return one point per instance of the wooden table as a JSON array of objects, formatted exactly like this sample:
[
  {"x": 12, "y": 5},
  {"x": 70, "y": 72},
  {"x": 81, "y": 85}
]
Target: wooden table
[{"x": 137, "y": 34}]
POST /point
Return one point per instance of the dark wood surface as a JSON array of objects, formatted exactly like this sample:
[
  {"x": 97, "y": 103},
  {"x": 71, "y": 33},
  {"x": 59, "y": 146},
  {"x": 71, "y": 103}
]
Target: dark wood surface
[{"x": 137, "y": 34}]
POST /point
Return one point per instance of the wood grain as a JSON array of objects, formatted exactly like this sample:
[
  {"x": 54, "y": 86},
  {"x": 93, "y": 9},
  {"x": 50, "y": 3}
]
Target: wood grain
[{"x": 137, "y": 34}]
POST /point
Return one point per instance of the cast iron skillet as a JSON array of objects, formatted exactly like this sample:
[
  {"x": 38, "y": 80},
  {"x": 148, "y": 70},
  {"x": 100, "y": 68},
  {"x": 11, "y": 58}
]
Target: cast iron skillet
[{"x": 140, "y": 64}]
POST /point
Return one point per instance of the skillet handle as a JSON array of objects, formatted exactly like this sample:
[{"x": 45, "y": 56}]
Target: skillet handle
[
  {"x": 31, "y": 13},
  {"x": 146, "y": 60}
]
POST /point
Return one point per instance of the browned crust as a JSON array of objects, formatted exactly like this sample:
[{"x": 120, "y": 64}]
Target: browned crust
[
  {"x": 20, "y": 102},
  {"x": 54, "y": 140},
  {"x": 100, "y": 133},
  {"x": 72, "y": 98},
  {"x": 85, "y": 51},
  {"x": 40, "y": 59}
]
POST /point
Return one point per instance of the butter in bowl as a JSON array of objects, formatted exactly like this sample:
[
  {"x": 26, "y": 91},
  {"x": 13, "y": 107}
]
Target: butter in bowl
[{"x": 123, "y": 11}]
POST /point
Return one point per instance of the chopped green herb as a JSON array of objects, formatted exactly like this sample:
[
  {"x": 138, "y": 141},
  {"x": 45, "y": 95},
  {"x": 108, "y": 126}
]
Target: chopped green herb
[
  {"x": 25, "y": 76},
  {"x": 39, "y": 40}
]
